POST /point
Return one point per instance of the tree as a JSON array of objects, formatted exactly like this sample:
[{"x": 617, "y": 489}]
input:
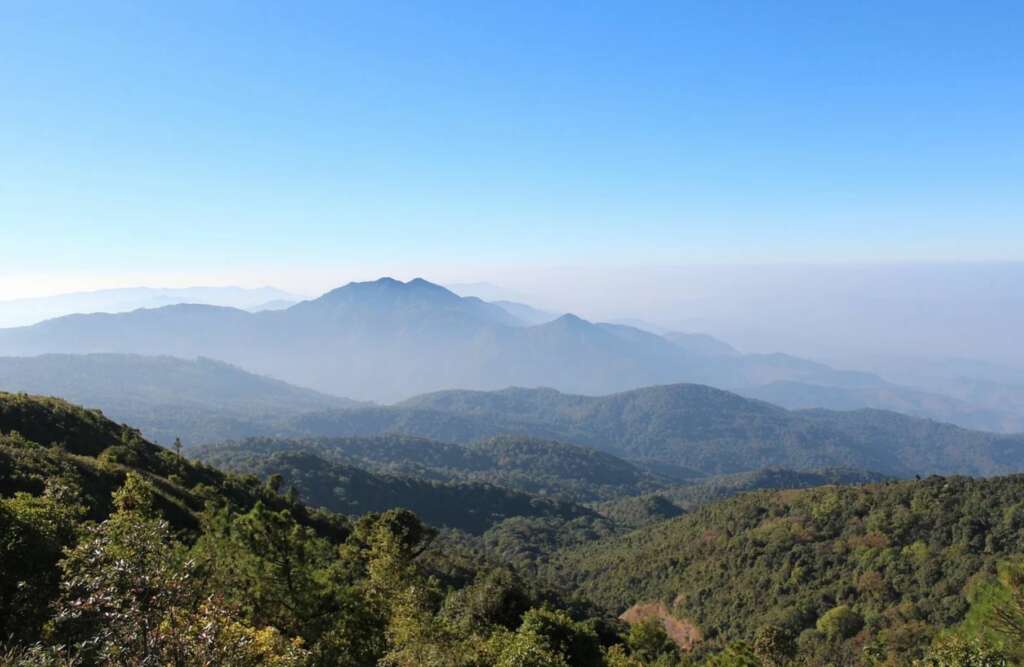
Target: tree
[
  {"x": 648, "y": 640},
  {"x": 33, "y": 532},
  {"x": 496, "y": 597},
  {"x": 574, "y": 641},
  {"x": 774, "y": 645},
  {"x": 955, "y": 651},
  {"x": 1008, "y": 617},
  {"x": 122, "y": 580},
  {"x": 840, "y": 623},
  {"x": 279, "y": 573},
  {"x": 737, "y": 654},
  {"x": 131, "y": 596}
]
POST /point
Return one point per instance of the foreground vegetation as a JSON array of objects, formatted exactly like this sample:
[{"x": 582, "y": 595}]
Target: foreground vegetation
[{"x": 114, "y": 551}]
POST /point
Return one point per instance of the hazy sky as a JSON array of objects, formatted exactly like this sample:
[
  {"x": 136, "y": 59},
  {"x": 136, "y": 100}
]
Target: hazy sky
[{"x": 305, "y": 144}]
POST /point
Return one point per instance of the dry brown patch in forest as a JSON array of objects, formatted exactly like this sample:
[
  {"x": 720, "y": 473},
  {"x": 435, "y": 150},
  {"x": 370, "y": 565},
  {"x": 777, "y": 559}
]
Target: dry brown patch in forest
[{"x": 684, "y": 633}]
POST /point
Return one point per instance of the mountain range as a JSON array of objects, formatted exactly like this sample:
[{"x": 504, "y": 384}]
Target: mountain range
[
  {"x": 388, "y": 340},
  {"x": 679, "y": 432},
  {"x": 686, "y": 430},
  {"x": 27, "y": 311}
]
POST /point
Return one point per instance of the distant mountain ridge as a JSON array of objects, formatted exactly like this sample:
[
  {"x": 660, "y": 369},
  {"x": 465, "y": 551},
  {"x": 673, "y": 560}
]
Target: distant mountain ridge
[
  {"x": 388, "y": 340},
  {"x": 689, "y": 426},
  {"x": 381, "y": 340},
  {"x": 27, "y": 311},
  {"x": 906, "y": 400},
  {"x": 678, "y": 431}
]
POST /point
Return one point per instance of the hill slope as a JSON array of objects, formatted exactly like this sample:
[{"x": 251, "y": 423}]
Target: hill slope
[
  {"x": 346, "y": 489},
  {"x": 897, "y": 556},
  {"x": 130, "y": 554},
  {"x": 42, "y": 438},
  {"x": 522, "y": 464},
  {"x": 199, "y": 400}
]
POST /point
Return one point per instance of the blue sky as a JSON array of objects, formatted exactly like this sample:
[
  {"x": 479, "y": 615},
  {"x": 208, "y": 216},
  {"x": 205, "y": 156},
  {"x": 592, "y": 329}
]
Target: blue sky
[{"x": 303, "y": 144}]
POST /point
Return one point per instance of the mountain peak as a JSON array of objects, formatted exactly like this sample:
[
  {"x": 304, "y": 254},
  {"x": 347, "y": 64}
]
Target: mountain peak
[
  {"x": 389, "y": 298},
  {"x": 387, "y": 286},
  {"x": 569, "y": 321}
]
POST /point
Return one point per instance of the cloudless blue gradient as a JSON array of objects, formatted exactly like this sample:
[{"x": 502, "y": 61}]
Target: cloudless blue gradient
[{"x": 204, "y": 135}]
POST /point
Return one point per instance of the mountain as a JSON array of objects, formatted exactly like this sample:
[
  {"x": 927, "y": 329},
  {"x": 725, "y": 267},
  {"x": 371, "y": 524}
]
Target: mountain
[
  {"x": 392, "y": 302},
  {"x": 701, "y": 344},
  {"x": 274, "y": 304},
  {"x": 800, "y": 395},
  {"x": 22, "y": 312},
  {"x": 524, "y": 313},
  {"x": 388, "y": 340},
  {"x": 198, "y": 400},
  {"x": 486, "y": 291},
  {"x": 379, "y": 340}
]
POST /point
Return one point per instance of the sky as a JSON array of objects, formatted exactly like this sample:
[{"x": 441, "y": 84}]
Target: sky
[{"x": 306, "y": 144}]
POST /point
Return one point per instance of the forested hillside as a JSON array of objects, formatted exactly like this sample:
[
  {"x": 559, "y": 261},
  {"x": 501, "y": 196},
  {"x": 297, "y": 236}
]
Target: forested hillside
[
  {"x": 690, "y": 426},
  {"x": 864, "y": 570},
  {"x": 524, "y": 464},
  {"x": 115, "y": 551},
  {"x": 468, "y": 506},
  {"x": 181, "y": 564},
  {"x": 673, "y": 500}
]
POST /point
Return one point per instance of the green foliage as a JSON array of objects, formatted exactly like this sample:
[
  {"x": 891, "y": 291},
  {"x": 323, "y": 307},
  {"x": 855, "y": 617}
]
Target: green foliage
[
  {"x": 338, "y": 487},
  {"x": 955, "y": 651},
  {"x": 775, "y": 646},
  {"x": 648, "y": 641},
  {"x": 639, "y": 511},
  {"x": 153, "y": 559},
  {"x": 33, "y": 532},
  {"x": 897, "y": 555},
  {"x": 130, "y": 594},
  {"x": 557, "y": 632},
  {"x": 839, "y": 623},
  {"x": 521, "y": 464},
  {"x": 496, "y": 597},
  {"x": 996, "y": 617},
  {"x": 737, "y": 654},
  {"x": 701, "y": 428}
]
